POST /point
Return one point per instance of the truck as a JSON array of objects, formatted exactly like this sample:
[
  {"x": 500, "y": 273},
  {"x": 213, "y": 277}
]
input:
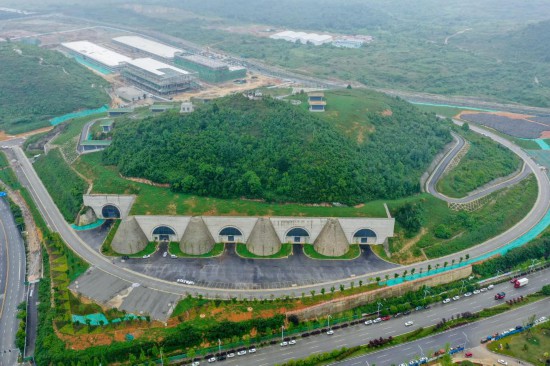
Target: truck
[
  {"x": 520, "y": 282},
  {"x": 500, "y": 296}
]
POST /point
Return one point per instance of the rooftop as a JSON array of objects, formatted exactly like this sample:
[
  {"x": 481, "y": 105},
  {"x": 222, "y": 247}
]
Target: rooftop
[
  {"x": 147, "y": 45},
  {"x": 205, "y": 61},
  {"x": 157, "y": 67},
  {"x": 106, "y": 123},
  {"x": 97, "y": 53},
  {"x": 96, "y": 142}
]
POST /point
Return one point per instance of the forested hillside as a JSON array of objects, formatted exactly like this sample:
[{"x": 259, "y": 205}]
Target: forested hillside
[
  {"x": 37, "y": 84},
  {"x": 272, "y": 150}
]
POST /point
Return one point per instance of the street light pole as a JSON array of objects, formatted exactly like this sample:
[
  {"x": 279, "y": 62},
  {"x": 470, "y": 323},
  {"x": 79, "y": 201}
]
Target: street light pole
[
  {"x": 219, "y": 346},
  {"x": 379, "y": 305},
  {"x": 328, "y": 322},
  {"x": 282, "y": 333}
]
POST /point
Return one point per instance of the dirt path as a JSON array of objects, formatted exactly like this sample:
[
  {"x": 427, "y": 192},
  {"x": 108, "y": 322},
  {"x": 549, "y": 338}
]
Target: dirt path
[{"x": 455, "y": 34}]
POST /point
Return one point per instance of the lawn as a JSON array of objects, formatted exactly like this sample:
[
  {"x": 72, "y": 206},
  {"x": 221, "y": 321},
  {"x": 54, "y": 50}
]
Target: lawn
[
  {"x": 153, "y": 200},
  {"x": 353, "y": 252},
  {"x": 531, "y": 348},
  {"x": 449, "y": 112},
  {"x": 149, "y": 249},
  {"x": 174, "y": 248},
  {"x": 242, "y": 250}
]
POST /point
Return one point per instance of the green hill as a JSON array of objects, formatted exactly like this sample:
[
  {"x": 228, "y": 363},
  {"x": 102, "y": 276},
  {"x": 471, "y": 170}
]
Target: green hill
[
  {"x": 37, "y": 84},
  {"x": 272, "y": 150}
]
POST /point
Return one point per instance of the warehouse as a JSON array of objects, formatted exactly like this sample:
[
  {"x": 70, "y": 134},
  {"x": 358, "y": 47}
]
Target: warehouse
[
  {"x": 95, "y": 54},
  {"x": 210, "y": 70},
  {"x": 158, "y": 77},
  {"x": 302, "y": 37},
  {"x": 151, "y": 48}
]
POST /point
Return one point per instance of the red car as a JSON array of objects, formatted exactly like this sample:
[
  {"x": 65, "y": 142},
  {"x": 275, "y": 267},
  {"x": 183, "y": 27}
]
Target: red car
[
  {"x": 384, "y": 318},
  {"x": 468, "y": 354}
]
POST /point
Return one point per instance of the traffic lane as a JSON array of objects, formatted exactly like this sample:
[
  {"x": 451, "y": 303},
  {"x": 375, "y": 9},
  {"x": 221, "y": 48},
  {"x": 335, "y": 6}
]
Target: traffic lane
[
  {"x": 361, "y": 334},
  {"x": 470, "y": 334},
  {"x": 32, "y": 319},
  {"x": 15, "y": 277}
]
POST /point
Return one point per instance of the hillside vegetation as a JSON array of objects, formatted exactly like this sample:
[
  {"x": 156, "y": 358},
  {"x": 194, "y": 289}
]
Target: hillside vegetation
[
  {"x": 272, "y": 150},
  {"x": 37, "y": 84}
]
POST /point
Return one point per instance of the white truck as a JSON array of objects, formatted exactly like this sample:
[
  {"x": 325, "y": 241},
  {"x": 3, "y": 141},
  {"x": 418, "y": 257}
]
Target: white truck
[{"x": 521, "y": 282}]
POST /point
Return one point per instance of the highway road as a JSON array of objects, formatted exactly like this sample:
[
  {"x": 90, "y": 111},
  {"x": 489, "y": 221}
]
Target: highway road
[
  {"x": 12, "y": 287},
  {"x": 32, "y": 318},
  {"x": 55, "y": 220},
  {"x": 431, "y": 182},
  {"x": 361, "y": 334}
]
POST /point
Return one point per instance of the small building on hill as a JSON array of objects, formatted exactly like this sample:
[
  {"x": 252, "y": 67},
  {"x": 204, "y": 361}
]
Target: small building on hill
[
  {"x": 317, "y": 102},
  {"x": 113, "y": 112},
  {"x": 186, "y": 107},
  {"x": 158, "y": 108},
  {"x": 210, "y": 70},
  {"x": 94, "y": 145},
  {"x": 107, "y": 125}
]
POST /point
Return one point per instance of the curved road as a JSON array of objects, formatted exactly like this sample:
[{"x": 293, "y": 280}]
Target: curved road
[
  {"x": 12, "y": 279},
  {"x": 57, "y": 223},
  {"x": 433, "y": 179}
]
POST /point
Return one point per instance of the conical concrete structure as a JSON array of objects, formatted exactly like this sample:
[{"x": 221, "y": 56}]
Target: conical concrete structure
[
  {"x": 263, "y": 239},
  {"x": 331, "y": 240},
  {"x": 129, "y": 238},
  {"x": 196, "y": 238}
]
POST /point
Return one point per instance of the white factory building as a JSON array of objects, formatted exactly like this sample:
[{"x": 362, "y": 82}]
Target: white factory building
[
  {"x": 302, "y": 37},
  {"x": 99, "y": 55},
  {"x": 158, "y": 77},
  {"x": 149, "y": 47}
]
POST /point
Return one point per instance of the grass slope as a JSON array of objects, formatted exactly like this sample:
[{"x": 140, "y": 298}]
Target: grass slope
[
  {"x": 485, "y": 161},
  {"x": 37, "y": 84}
]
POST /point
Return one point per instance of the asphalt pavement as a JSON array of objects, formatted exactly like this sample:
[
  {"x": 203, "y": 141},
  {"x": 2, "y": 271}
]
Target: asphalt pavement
[
  {"x": 361, "y": 334},
  {"x": 32, "y": 319},
  {"x": 12, "y": 287}
]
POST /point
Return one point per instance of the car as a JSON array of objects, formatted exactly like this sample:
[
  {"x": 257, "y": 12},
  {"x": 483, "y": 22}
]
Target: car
[
  {"x": 409, "y": 323},
  {"x": 180, "y": 280},
  {"x": 222, "y": 358},
  {"x": 490, "y": 287},
  {"x": 427, "y": 307},
  {"x": 513, "y": 280},
  {"x": 468, "y": 294},
  {"x": 408, "y": 312},
  {"x": 397, "y": 315},
  {"x": 252, "y": 350},
  {"x": 456, "y": 298},
  {"x": 502, "y": 362},
  {"x": 476, "y": 292},
  {"x": 403, "y": 364},
  {"x": 368, "y": 322},
  {"x": 423, "y": 360},
  {"x": 146, "y": 256},
  {"x": 284, "y": 344},
  {"x": 164, "y": 254},
  {"x": 385, "y": 318},
  {"x": 292, "y": 342},
  {"x": 125, "y": 257},
  {"x": 418, "y": 308},
  {"x": 468, "y": 354},
  {"x": 484, "y": 289},
  {"x": 446, "y": 301},
  {"x": 212, "y": 359},
  {"x": 196, "y": 363},
  {"x": 377, "y": 320},
  {"x": 173, "y": 256},
  {"x": 500, "y": 296},
  {"x": 190, "y": 282},
  {"x": 230, "y": 355},
  {"x": 330, "y": 332},
  {"x": 413, "y": 362},
  {"x": 243, "y": 352}
]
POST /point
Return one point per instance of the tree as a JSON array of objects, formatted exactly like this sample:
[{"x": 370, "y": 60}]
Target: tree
[
  {"x": 348, "y": 87},
  {"x": 342, "y": 288},
  {"x": 395, "y": 275},
  {"x": 312, "y": 292},
  {"x": 332, "y": 289},
  {"x": 465, "y": 127},
  {"x": 429, "y": 267},
  {"x": 360, "y": 283}
]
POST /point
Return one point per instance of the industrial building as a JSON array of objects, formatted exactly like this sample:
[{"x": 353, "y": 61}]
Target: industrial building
[
  {"x": 210, "y": 70},
  {"x": 158, "y": 77},
  {"x": 97, "y": 55},
  {"x": 302, "y": 37},
  {"x": 317, "y": 102},
  {"x": 348, "y": 43},
  {"x": 151, "y": 48}
]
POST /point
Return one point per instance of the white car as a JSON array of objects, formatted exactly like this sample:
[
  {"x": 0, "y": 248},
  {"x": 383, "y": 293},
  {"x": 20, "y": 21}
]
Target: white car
[
  {"x": 403, "y": 364},
  {"x": 490, "y": 287},
  {"x": 196, "y": 363},
  {"x": 212, "y": 359},
  {"x": 446, "y": 301},
  {"x": 173, "y": 256},
  {"x": 252, "y": 350},
  {"x": 476, "y": 292},
  {"x": 164, "y": 254},
  {"x": 190, "y": 282},
  {"x": 230, "y": 355},
  {"x": 423, "y": 359},
  {"x": 468, "y": 294},
  {"x": 368, "y": 322},
  {"x": 284, "y": 344},
  {"x": 409, "y": 323},
  {"x": 241, "y": 353},
  {"x": 377, "y": 320},
  {"x": 456, "y": 297},
  {"x": 502, "y": 362},
  {"x": 292, "y": 342},
  {"x": 147, "y": 256},
  {"x": 483, "y": 289},
  {"x": 413, "y": 362},
  {"x": 330, "y": 332},
  {"x": 180, "y": 280}
]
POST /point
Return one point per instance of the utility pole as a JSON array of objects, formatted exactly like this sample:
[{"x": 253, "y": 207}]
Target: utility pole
[
  {"x": 219, "y": 346},
  {"x": 379, "y": 306},
  {"x": 328, "y": 322},
  {"x": 282, "y": 333}
]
